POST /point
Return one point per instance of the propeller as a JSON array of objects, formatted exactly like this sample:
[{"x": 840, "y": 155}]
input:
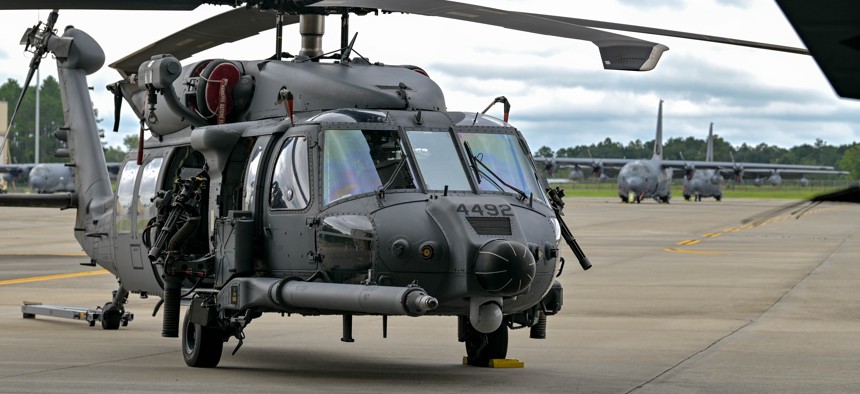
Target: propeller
[
  {"x": 597, "y": 168},
  {"x": 35, "y": 40},
  {"x": 689, "y": 168},
  {"x": 737, "y": 169}
]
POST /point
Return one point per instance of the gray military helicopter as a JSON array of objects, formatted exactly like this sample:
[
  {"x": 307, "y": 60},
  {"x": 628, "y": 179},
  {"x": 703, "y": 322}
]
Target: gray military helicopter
[
  {"x": 319, "y": 185},
  {"x": 652, "y": 178}
]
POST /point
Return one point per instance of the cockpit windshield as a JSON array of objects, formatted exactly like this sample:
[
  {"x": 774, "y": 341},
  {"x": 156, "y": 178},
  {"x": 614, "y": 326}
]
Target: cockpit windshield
[
  {"x": 437, "y": 159},
  {"x": 362, "y": 161},
  {"x": 503, "y": 156}
]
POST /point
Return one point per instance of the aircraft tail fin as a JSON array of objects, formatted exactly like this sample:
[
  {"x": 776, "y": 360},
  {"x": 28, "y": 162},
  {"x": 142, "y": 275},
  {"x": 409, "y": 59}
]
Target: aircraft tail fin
[
  {"x": 92, "y": 181},
  {"x": 709, "y": 156},
  {"x": 658, "y": 140}
]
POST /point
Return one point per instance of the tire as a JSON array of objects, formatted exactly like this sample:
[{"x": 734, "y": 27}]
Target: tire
[
  {"x": 201, "y": 346},
  {"x": 481, "y": 348},
  {"x": 111, "y": 317}
]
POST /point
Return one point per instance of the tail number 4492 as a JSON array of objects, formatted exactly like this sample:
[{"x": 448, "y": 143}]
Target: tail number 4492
[{"x": 485, "y": 210}]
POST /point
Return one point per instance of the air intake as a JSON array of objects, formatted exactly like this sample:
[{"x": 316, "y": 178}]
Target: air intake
[{"x": 490, "y": 225}]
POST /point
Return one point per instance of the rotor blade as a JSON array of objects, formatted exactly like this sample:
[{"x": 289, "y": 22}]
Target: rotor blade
[
  {"x": 21, "y": 97},
  {"x": 674, "y": 33},
  {"x": 619, "y": 52},
  {"x": 223, "y": 28},
  {"x": 831, "y": 31},
  {"x": 167, "y": 5}
]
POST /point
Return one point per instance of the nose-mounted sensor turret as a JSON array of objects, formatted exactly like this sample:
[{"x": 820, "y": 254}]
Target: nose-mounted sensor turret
[{"x": 504, "y": 267}]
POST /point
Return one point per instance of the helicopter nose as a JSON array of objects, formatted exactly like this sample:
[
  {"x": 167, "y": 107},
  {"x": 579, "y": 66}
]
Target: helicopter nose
[{"x": 504, "y": 267}]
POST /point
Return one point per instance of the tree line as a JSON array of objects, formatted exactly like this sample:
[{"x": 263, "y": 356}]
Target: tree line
[
  {"x": 843, "y": 157},
  {"x": 22, "y": 145}
]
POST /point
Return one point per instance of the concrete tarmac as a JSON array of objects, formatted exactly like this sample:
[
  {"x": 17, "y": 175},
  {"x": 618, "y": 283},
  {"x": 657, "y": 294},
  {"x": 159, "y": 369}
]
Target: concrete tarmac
[{"x": 682, "y": 298}]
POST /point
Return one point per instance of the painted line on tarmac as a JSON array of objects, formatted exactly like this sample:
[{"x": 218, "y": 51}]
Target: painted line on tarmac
[
  {"x": 689, "y": 242},
  {"x": 676, "y": 250},
  {"x": 52, "y": 277},
  {"x": 80, "y": 254}
]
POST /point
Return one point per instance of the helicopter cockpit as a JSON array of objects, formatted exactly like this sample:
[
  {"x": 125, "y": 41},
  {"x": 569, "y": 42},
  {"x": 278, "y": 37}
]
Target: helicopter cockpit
[{"x": 361, "y": 161}]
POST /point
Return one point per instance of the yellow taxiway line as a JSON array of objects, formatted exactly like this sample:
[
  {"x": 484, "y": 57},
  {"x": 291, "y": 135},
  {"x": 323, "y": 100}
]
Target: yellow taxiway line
[
  {"x": 52, "y": 277},
  {"x": 80, "y": 254},
  {"x": 676, "y": 250}
]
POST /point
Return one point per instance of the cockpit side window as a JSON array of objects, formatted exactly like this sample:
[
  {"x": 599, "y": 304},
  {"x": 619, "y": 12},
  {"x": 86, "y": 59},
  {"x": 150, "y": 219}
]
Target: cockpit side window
[
  {"x": 290, "y": 187},
  {"x": 363, "y": 161},
  {"x": 124, "y": 197}
]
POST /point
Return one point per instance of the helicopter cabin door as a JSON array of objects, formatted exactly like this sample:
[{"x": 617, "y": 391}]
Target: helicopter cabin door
[
  {"x": 136, "y": 186},
  {"x": 286, "y": 205}
]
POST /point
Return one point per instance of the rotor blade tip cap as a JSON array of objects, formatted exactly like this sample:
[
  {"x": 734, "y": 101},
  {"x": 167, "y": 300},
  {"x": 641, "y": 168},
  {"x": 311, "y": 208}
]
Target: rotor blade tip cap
[{"x": 630, "y": 56}]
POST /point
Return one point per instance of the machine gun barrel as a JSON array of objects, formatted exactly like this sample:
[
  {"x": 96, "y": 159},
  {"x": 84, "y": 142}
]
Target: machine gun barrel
[
  {"x": 571, "y": 241},
  {"x": 555, "y": 196}
]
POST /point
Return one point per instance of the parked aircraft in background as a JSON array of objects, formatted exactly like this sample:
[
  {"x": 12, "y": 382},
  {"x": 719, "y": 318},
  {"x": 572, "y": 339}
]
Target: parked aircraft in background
[
  {"x": 775, "y": 177},
  {"x": 706, "y": 182},
  {"x": 47, "y": 177},
  {"x": 575, "y": 175},
  {"x": 652, "y": 178}
]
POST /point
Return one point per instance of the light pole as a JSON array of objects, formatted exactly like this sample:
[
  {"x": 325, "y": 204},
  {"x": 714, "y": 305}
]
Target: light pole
[{"x": 37, "y": 115}]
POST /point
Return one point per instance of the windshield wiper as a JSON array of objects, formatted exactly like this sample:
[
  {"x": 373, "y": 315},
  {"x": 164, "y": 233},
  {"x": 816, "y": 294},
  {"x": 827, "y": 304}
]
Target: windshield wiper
[
  {"x": 474, "y": 160},
  {"x": 381, "y": 191}
]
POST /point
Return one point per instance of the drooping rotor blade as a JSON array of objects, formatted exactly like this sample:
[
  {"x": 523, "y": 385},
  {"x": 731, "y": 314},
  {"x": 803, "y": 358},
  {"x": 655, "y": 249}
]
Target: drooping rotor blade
[
  {"x": 166, "y": 5},
  {"x": 21, "y": 96},
  {"x": 674, "y": 33},
  {"x": 230, "y": 26},
  {"x": 619, "y": 52},
  {"x": 35, "y": 40},
  {"x": 831, "y": 31}
]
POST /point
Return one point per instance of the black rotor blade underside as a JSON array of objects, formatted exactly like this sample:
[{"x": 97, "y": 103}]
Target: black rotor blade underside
[
  {"x": 613, "y": 47},
  {"x": 831, "y": 31},
  {"x": 230, "y": 26},
  {"x": 166, "y": 5}
]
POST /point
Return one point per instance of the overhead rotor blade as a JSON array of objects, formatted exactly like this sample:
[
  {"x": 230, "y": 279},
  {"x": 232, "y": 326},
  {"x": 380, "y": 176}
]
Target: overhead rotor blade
[
  {"x": 619, "y": 52},
  {"x": 831, "y": 31},
  {"x": 230, "y": 26},
  {"x": 166, "y": 5},
  {"x": 674, "y": 33}
]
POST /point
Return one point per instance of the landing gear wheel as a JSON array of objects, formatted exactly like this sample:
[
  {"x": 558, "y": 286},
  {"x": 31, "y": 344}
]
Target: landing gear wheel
[
  {"x": 111, "y": 317},
  {"x": 201, "y": 346},
  {"x": 481, "y": 348}
]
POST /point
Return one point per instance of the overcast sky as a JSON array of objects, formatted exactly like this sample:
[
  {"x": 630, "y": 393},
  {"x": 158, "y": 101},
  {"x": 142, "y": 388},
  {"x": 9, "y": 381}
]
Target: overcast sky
[{"x": 559, "y": 92}]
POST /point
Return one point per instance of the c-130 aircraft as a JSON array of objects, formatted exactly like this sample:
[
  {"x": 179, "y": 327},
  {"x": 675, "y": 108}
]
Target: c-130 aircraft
[
  {"x": 639, "y": 179},
  {"x": 343, "y": 188}
]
